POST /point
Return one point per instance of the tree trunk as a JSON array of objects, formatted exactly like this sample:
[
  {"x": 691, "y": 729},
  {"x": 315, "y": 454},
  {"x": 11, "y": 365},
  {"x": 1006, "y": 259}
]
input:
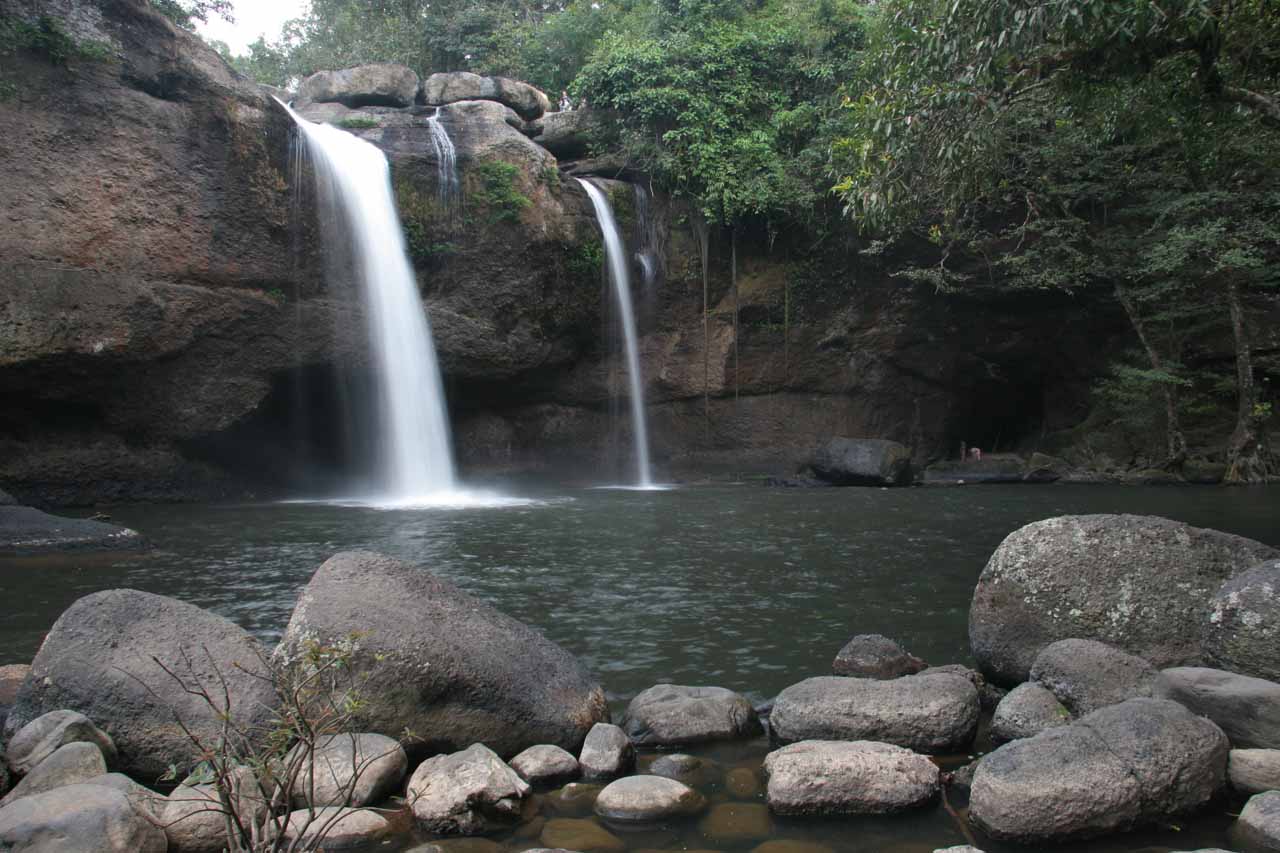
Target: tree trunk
[
  {"x": 1247, "y": 455},
  {"x": 1175, "y": 440}
]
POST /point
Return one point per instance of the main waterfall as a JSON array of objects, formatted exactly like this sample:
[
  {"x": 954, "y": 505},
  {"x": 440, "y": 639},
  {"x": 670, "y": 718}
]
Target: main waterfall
[
  {"x": 415, "y": 461},
  {"x": 616, "y": 256}
]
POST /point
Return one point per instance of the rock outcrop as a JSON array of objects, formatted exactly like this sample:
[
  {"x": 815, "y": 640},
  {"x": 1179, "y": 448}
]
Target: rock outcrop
[
  {"x": 448, "y": 87},
  {"x": 862, "y": 462},
  {"x": 25, "y": 532},
  {"x": 374, "y": 85}
]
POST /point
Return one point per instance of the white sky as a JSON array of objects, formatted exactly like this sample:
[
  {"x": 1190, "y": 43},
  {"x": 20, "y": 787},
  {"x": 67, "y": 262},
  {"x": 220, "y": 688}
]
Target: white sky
[{"x": 253, "y": 18}]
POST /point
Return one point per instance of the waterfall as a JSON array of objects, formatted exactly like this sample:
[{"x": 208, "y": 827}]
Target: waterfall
[
  {"x": 616, "y": 256},
  {"x": 446, "y": 163},
  {"x": 649, "y": 248},
  {"x": 354, "y": 180}
]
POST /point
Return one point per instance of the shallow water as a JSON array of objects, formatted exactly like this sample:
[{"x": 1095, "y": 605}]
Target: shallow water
[{"x": 739, "y": 586}]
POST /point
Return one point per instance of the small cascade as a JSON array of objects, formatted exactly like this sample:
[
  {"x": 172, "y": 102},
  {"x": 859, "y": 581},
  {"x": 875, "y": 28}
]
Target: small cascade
[
  {"x": 354, "y": 183},
  {"x": 615, "y": 254},
  {"x": 447, "y": 178},
  {"x": 649, "y": 247}
]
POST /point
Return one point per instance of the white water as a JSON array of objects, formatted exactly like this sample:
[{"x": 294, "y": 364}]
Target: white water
[
  {"x": 415, "y": 465},
  {"x": 616, "y": 255},
  {"x": 446, "y": 163}
]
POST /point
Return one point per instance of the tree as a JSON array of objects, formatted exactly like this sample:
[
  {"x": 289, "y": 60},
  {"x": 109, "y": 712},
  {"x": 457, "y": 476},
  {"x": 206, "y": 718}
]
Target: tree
[{"x": 187, "y": 13}]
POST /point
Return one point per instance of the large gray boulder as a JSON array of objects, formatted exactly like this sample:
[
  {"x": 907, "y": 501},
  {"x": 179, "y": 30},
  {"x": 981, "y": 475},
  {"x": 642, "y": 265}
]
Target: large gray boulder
[
  {"x": 1087, "y": 675},
  {"x": 69, "y": 765},
  {"x": 875, "y": 656},
  {"x": 647, "y": 799},
  {"x": 467, "y": 793},
  {"x": 862, "y": 462},
  {"x": 25, "y": 532},
  {"x": 100, "y": 658},
  {"x": 1243, "y": 630},
  {"x": 1247, "y": 709},
  {"x": 823, "y": 777},
  {"x": 75, "y": 819},
  {"x": 1140, "y": 583},
  {"x": 931, "y": 713},
  {"x": 674, "y": 715},
  {"x": 1137, "y": 762},
  {"x": 348, "y": 770},
  {"x": 448, "y": 87},
  {"x": 1259, "y": 825},
  {"x": 41, "y": 737},
  {"x": 376, "y": 84},
  {"x": 1028, "y": 710},
  {"x": 436, "y": 661},
  {"x": 1253, "y": 771}
]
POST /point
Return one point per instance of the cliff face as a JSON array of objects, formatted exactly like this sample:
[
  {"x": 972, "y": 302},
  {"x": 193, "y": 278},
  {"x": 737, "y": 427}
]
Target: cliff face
[{"x": 169, "y": 329}]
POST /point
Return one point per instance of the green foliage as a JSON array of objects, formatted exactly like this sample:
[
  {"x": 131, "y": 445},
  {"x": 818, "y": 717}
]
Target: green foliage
[
  {"x": 426, "y": 225},
  {"x": 187, "y": 13},
  {"x": 494, "y": 190},
  {"x": 586, "y": 261},
  {"x": 357, "y": 123},
  {"x": 48, "y": 37}
]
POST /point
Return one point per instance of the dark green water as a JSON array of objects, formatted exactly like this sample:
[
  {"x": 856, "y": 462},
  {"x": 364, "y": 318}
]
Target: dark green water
[{"x": 738, "y": 586}]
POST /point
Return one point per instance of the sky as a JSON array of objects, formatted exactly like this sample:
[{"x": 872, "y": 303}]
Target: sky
[{"x": 253, "y": 18}]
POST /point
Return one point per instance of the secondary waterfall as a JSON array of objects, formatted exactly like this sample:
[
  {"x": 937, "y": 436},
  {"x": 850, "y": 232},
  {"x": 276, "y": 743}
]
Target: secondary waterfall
[
  {"x": 354, "y": 180},
  {"x": 616, "y": 256},
  {"x": 446, "y": 163}
]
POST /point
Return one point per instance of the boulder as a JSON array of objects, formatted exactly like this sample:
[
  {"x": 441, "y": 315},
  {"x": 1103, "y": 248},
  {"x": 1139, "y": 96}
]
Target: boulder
[
  {"x": 875, "y": 656},
  {"x": 145, "y": 801},
  {"x": 1137, "y": 762},
  {"x": 742, "y": 782},
  {"x": 11, "y": 678},
  {"x": 335, "y": 828},
  {"x": 581, "y": 836},
  {"x": 448, "y": 87},
  {"x": 43, "y": 736},
  {"x": 1139, "y": 583},
  {"x": 467, "y": 793},
  {"x": 1028, "y": 710},
  {"x": 607, "y": 753},
  {"x": 927, "y": 713},
  {"x": 824, "y": 777},
  {"x": 566, "y": 134},
  {"x": 26, "y": 532},
  {"x": 1087, "y": 675},
  {"x": 1258, "y": 827},
  {"x": 376, "y": 84},
  {"x": 862, "y": 462},
  {"x": 672, "y": 715},
  {"x": 192, "y": 815},
  {"x": 546, "y": 764},
  {"x": 100, "y": 659},
  {"x": 78, "y": 818},
  {"x": 436, "y": 661},
  {"x": 348, "y": 770},
  {"x": 574, "y": 800},
  {"x": 1243, "y": 630},
  {"x": 647, "y": 799},
  {"x": 1247, "y": 709},
  {"x": 1253, "y": 771},
  {"x": 69, "y": 765}
]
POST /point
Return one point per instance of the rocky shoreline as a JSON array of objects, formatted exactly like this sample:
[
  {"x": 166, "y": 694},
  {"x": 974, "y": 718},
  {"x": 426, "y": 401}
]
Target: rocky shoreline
[{"x": 462, "y": 722}]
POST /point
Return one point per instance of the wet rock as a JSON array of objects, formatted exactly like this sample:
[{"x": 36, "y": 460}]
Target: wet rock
[
  {"x": 607, "y": 753},
  {"x": 336, "y": 828},
  {"x": 574, "y": 799},
  {"x": 1258, "y": 827},
  {"x": 349, "y": 770},
  {"x": 451, "y": 86},
  {"x": 43, "y": 736},
  {"x": 688, "y": 769},
  {"x": 1243, "y": 630},
  {"x": 1139, "y": 583},
  {"x": 25, "y": 532},
  {"x": 862, "y": 462},
  {"x": 742, "y": 782},
  {"x": 1087, "y": 675},
  {"x": 1247, "y": 709},
  {"x": 98, "y": 660},
  {"x": 192, "y": 814},
  {"x": 11, "y": 678},
  {"x": 1028, "y": 710},
  {"x": 78, "y": 818},
  {"x": 69, "y": 765},
  {"x": 585, "y": 836},
  {"x": 466, "y": 793},
  {"x": 840, "y": 777},
  {"x": 145, "y": 801},
  {"x": 436, "y": 661},
  {"x": 927, "y": 712},
  {"x": 376, "y": 84},
  {"x": 1140, "y": 761},
  {"x": 735, "y": 823},
  {"x": 875, "y": 656},
  {"x": 673, "y": 715},
  {"x": 1253, "y": 771},
  {"x": 644, "y": 799},
  {"x": 546, "y": 764}
]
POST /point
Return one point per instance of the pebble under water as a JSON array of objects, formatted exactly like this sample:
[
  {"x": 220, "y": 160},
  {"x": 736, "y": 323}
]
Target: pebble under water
[{"x": 737, "y": 586}]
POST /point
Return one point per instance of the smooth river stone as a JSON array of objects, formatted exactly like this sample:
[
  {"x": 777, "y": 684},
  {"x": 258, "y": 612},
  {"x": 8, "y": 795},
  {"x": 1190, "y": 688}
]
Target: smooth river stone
[
  {"x": 78, "y": 818},
  {"x": 574, "y": 800},
  {"x": 545, "y": 765},
  {"x": 336, "y": 828},
  {"x": 676, "y": 715},
  {"x": 1087, "y": 675},
  {"x": 875, "y": 656},
  {"x": 607, "y": 753},
  {"x": 838, "y": 777},
  {"x": 71, "y": 764},
  {"x": 1026, "y": 711},
  {"x": 350, "y": 770},
  {"x": 1253, "y": 771},
  {"x": 43, "y": 736},
  {"x": 640, "y": 799},
  {"x": 466, "y": 793}
]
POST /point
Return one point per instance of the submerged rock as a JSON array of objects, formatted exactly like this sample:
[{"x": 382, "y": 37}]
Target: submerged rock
[
  {"x": 841, "y": 777},
  {"x": 1243, "y": 630},
  {"x": 574, "y": 799},
  {"x": 1253, "y": 771},
  {"x": 78, "y": 818},
  {"x": 1028, "y": 710},
  {"x": 730, "y": 824},
  {"x": 689, "y": 769},
  {"x": 1259, "y": 823},
  {"x": 862, "y": 462},
  {"x": 376, "y": 84},
  {"x": 1087, "y": 675},
  {"x": 1136, "y": 762},
  {"x": 69, "y": 765},
  {"x": 875, "y": 656},
  {"x": 673, "y": 715},
  {"x": 582, "y": 836},
  {"x": 467, "y": 793},
  {"x": 25, "y": 532},
  {"x": 349, "y": 770},
  {"x": 1139, "y": 583},
  {"x": 546, "y": 764},
  {"x": 43, "y": 736},
  {"x": 100, "y": 659},
  {"x": 440, "y": 663},
  {"x": 607, "y": 753},
  {"x": 927, "y": 712},
  {"x": 1247, "y": 709},
  {"x": 644, "y": 799}
]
